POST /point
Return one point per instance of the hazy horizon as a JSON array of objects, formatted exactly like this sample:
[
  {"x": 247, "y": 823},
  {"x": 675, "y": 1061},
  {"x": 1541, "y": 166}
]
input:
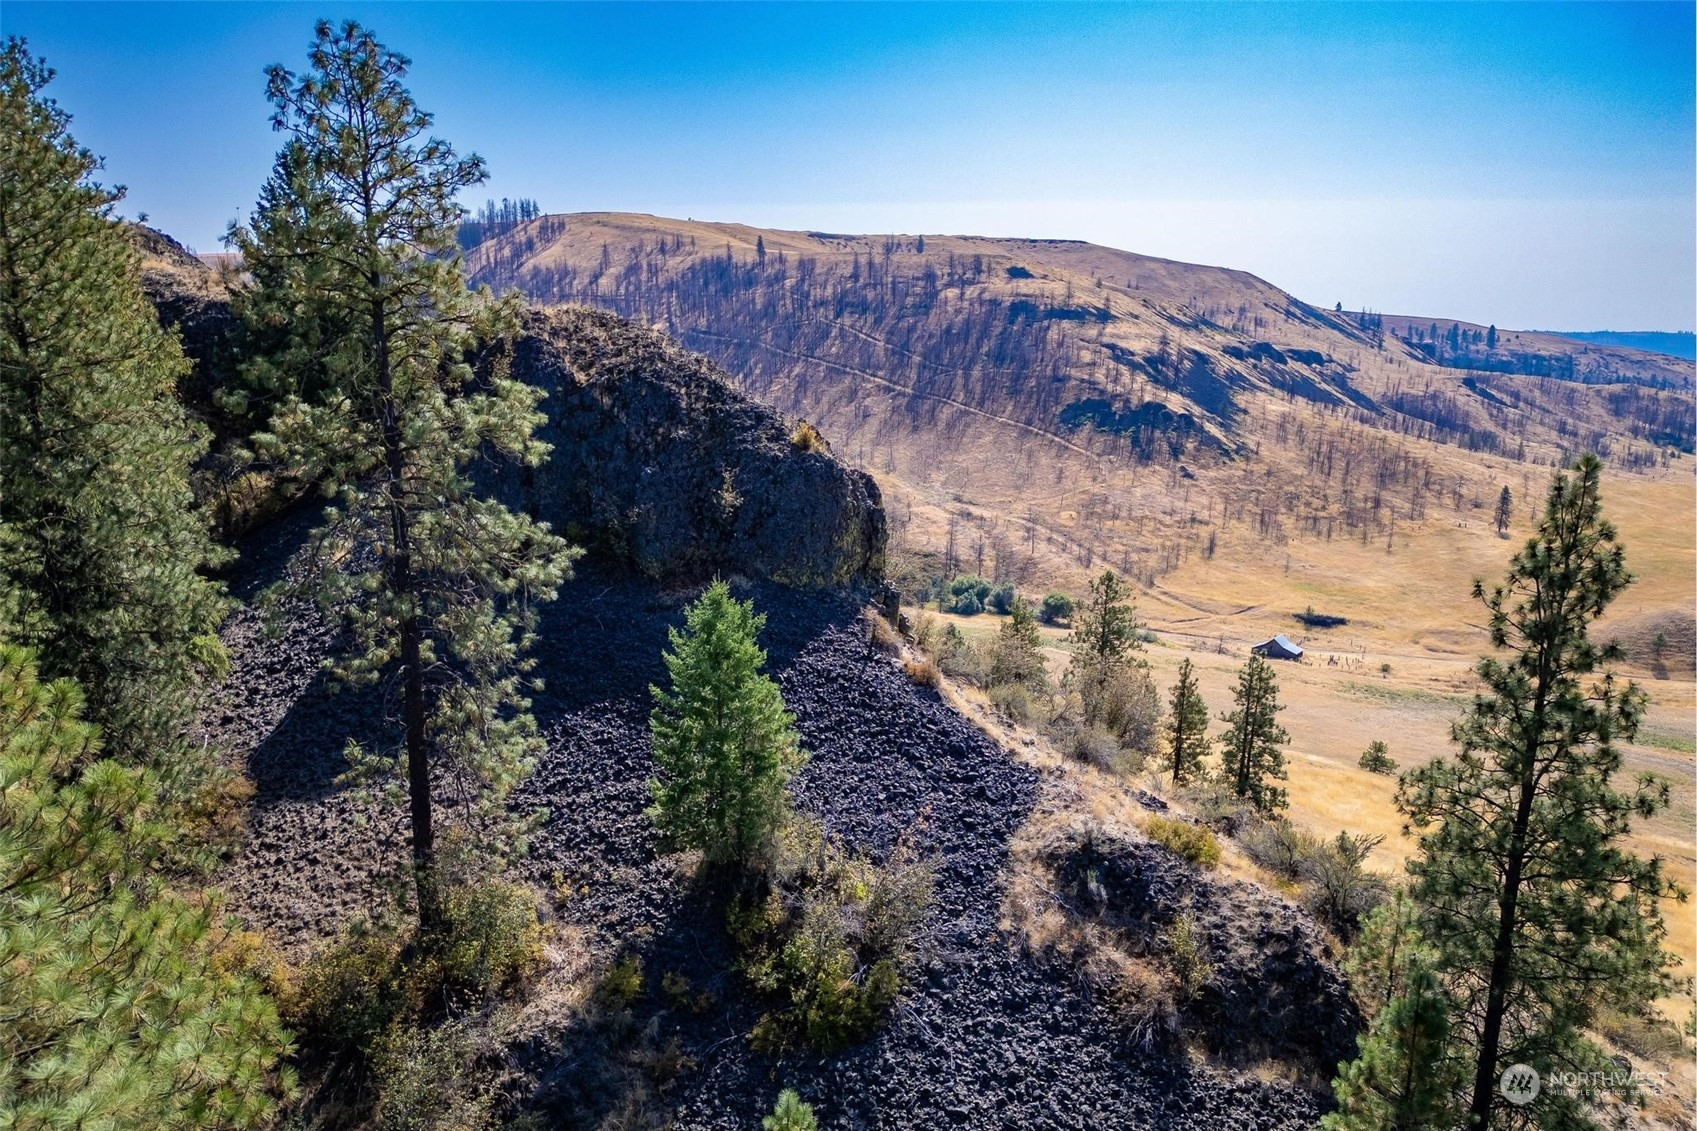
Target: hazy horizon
[{"x": 1529, "y": 166}]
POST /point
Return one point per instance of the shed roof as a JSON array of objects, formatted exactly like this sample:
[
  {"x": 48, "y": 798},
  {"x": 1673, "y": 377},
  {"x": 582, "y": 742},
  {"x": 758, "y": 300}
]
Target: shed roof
[{"x": 1279, "y": 647}]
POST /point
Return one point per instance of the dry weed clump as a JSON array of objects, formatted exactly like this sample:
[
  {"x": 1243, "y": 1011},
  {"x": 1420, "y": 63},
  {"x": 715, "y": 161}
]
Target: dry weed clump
[
  {"x": 927, "y": 632},
  {"x": 807, "y": 438},
  {"x": 881, "y": 634},
  {"x": 922, "y": 672}
]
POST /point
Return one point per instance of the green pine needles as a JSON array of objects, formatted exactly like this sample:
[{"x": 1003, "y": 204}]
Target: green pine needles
[
  {"x": 790, "y": 1114},
  {"x": 1403, "y": 1077},
  {"x": 1187, "y": 727},
  {"x": 1016, "y": 656},
  {"x": 1538, "y": 914},
  {"x": 723, "y": 742},
  {"x": 122, "y": 1004},
  {"x": 1252, "y": 747},
  {"x": 101, "y": 546},
  {"x": 1533, "y": 917},
  {"x": 1105, "y": 646},
  {"x": 357, "y": 283}
]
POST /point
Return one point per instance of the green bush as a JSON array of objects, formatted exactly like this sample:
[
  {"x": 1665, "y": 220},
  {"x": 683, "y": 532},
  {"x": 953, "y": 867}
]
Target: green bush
[
  {"x": 1056, "y": 608},
  {"x": 834, "y": 1001},
  {"x": 350, "y": 994},
  {"x": 827, "y": 940},
  {"x": 622, "y": 984},
  {"x": 1014, "y": 700},
  {"x": 122, "y": 1003},
  {"x": 1185, "y": 951},
  {"x": 428, "y": 1080},
  {"x": 492, "y": 937},
  {"x": 379, "y": 975},
  {"x": 1193, "y": 842},
  {"x": 1001, "y": 599},
  {"x": 967, "y": 595},
  {"x": 1016, "y": 653},
  {"x": 1377, "y": 758}
]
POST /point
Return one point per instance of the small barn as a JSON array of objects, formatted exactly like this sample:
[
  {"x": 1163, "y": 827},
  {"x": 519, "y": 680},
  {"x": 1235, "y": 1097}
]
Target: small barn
[{"x": 1278, "y": 648}]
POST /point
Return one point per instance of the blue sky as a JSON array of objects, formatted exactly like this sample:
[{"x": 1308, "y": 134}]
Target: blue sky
[{"x": 1522, "y": 164}]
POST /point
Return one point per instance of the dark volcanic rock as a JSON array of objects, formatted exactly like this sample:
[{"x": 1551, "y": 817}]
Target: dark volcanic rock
[
  {"x": 677, "y": 473},
  {"x": 1274, "y": 992},
  {"x": 314, "y": 857},
  {"x": 984, "y": 1037},
  {"x": 657, "y": 462},
  {"x": 189, "y": 299}
]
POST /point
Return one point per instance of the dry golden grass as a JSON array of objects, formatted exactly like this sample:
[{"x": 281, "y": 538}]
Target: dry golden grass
[
  {"x": 1431, "y": 640},
  {"x": 1412, "y": 609}
]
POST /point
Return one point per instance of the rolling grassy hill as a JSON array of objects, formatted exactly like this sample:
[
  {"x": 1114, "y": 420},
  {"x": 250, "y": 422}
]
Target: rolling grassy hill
[{"x": 1038, "y": 408}]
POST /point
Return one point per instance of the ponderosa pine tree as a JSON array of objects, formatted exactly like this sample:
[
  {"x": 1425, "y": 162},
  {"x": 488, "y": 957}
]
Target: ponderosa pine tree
[
  {"x": 101, "y": 546},
  {"x": 1377, "y": 758},
  {"x": 723, "y": 742},
  {"x": 1106, "y": 632},
  {"x": 1404, "y": 1077},
  {"x": 1252, "y": 745},
  {"x": 376, "y": 402},
  {"x": 1187, "y": 727},
  {"x": 1537, "y": 912},
  {"x": 790, "y": 1114},
  {"x": 1017, "y": 654},
  {"x": 1105, "y": 646},
  {"x": 121, "y": 1003},
  {"x": 1505, "y": 510}
]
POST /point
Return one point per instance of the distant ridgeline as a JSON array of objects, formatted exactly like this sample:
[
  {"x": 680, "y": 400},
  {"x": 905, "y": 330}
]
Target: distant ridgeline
[
  {"x": 909, "y": 350},
  {"x": 1535, "y": 353},
  {"x": 493, "y": 219},
  {"x": 1681, "y": 343}
]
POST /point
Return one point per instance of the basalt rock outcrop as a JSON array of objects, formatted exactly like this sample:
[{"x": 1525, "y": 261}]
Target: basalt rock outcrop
[
  {"x": 1273, "y": 991},
  {"x": 658, "y": 461},
  {"x": 658, "y": 464},
  {"x": 191, "y": 299}
]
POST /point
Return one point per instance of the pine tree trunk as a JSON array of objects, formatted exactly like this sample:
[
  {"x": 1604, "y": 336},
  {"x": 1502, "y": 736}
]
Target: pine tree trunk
[
  {"x": 412, "y": 663},
  {"x": 1496, "y": 996}
]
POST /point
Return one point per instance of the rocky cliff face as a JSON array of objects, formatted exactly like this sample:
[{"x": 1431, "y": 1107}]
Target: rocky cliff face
[
  {"x": 659, "y": 462},
  {"x": 191, "y": 299}
]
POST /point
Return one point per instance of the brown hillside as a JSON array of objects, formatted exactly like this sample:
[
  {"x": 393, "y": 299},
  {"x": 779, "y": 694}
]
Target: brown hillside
[{"x": 1056, "y": 405}]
